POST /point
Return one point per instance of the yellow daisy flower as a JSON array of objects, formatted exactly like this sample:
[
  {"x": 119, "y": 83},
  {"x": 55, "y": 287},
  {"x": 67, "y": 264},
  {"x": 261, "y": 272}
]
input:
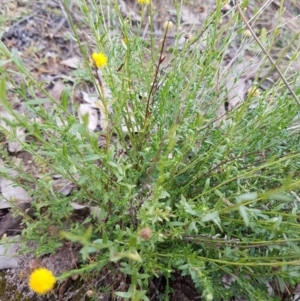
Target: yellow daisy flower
[
  {"x": 99, "y": 59},
  {"x": 143, "y": 1},
  {"x": 41, "y": 281}
]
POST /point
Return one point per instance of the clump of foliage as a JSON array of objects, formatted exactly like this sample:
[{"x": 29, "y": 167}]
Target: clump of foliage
[{"x": 178, "y": 187}]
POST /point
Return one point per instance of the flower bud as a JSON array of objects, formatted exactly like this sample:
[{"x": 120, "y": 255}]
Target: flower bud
[{"x": 146, "y": 233}]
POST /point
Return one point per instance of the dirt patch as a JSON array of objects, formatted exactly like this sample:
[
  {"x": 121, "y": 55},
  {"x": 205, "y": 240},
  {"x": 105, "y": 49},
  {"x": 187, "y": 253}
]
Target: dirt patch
[{"x": 64, "y": 259}]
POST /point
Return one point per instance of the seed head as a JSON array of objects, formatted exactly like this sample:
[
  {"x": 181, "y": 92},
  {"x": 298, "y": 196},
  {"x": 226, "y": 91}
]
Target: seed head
[
  {"x": 146, "y": 233},
  {"x": 168, "y": 25},
  {"x": 247, "y": 33}
]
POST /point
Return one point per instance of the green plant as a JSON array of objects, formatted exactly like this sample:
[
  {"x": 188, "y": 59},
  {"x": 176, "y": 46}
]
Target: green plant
[{"x": 180, "y": 188}]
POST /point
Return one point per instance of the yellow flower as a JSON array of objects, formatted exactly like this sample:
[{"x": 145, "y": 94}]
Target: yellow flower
[
  {"x": 143, "y": 1},
  {"x": 41, "y": 281},
  {"x": 99, "y": 59}
]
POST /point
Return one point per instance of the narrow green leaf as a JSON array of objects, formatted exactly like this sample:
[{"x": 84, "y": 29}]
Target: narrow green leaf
[
  {"x": 65, "y": 98},
  {"x": 244, "y": 214},
  {"x": 210, "y": 216},
  {"x": 126, "y": 295}
]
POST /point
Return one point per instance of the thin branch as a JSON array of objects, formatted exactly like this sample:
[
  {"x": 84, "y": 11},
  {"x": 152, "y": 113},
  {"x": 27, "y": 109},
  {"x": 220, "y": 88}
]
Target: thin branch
[
  {"x": 267, "y": 54},
  {"x": 156, "y": 75}
]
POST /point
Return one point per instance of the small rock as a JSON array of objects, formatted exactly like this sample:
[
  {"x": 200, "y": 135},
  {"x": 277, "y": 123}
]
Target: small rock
[
  {"x": 12, "y": 222},
  {"x": 8, "y": 252}
]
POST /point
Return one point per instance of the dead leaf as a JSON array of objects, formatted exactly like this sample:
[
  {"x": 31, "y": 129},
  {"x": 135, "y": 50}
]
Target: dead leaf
[
  {"x": 57, "y": 90},
  {"x": 77, "y": 206},
  {"x": 95, "y": 103},
  {"x": 90, "y": 98},
  {"x": 97, "y": 212},
  {"x": 85, "y": 110},
  {"x": 236, "y": 91},
  {"x": 63, "y": 186},
  {"x": 72, "y": 62},
  {"x": 14, "y": 144}
]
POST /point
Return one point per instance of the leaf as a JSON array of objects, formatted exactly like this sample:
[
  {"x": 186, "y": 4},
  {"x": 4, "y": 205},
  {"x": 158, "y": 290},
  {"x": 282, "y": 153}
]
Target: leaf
[
  {"x": 244, "y": 214},
  {"x": 247, "y": 196},
  {"x": 176, "y": 224},
  {"x": 91, "y": 158},
  {"x": 38, "y": 101},
  {"x": 112, "y": 164},
  {"x": 36, "y": 131},
  {"x": 126, "y": 295},
  {"x": 88, "y": 233},
  {"x": 65, "y": 97},
  {"x": 133, "y": 256},
  {"x": 264, "y": 36},
  {"x": 18, "y": 61},
  {"x": 163, "y": 195},
  {"x": 3, "y": 98},
  {"x": 207, "y": 185},
  {"x": 277, "y": 195},
  {"x": 63, "y": 186},
  {"x": 140, "y": 295},
  {"x": 77, "y": 128},
  {"x": 74, "y": 238},
  {"x": 210, "y": 216}
]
